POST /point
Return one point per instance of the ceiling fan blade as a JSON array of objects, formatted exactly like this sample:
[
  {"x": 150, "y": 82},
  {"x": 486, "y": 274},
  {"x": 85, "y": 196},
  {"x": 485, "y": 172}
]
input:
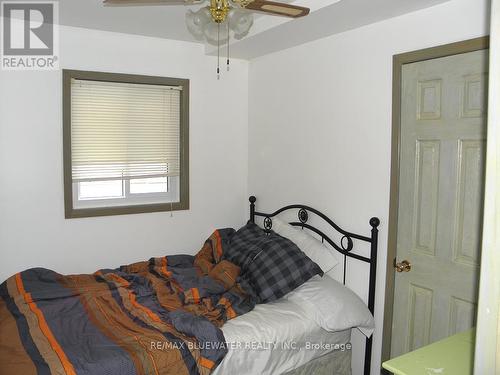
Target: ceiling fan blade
[
  {"x": 149, "y": 2},
  {"x": 279, "y": 9}
]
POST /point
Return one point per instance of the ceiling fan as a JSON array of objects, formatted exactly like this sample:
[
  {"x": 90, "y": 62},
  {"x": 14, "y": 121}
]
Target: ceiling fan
[
  {"x": 234, "y": 15},
  {"x": 220, "y": 8}
]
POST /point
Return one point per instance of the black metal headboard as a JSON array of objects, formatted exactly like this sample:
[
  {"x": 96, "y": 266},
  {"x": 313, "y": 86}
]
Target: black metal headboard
[{"x": 344, "y": 247}]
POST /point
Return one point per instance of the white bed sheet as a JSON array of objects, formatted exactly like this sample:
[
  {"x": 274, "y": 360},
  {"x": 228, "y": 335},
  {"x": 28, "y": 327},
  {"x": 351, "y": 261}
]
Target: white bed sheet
[{"x": 258, "y": 340}]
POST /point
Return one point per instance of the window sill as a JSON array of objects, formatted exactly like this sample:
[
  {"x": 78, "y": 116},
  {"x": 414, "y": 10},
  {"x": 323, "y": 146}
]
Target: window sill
[{"x": 75, "y": 213}]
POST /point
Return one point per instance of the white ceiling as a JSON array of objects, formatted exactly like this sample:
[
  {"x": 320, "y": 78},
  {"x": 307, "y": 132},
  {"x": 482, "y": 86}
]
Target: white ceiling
[{"x": 269, "y": 34}]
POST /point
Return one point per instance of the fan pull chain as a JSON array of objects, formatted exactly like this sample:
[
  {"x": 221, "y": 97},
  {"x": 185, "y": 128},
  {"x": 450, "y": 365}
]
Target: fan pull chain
[
  {"x": 228, "y": 39},
  {"x": 218, "y": 51}
]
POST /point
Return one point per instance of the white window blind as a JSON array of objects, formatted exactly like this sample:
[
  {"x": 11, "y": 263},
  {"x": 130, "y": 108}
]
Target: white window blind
[{"x": 124, "y": 130}]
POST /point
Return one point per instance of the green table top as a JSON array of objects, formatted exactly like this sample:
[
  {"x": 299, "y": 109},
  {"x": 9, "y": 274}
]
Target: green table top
[{"x": 451, "y": 356}]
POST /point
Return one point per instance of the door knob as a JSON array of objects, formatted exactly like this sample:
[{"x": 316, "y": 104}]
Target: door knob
[{"x": 403, "y": 266}]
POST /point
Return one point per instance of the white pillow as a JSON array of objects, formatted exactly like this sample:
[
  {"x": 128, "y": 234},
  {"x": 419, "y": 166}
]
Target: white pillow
[
  {"x": 312, "y": 247},
  {"x": 333, "y": 306}
]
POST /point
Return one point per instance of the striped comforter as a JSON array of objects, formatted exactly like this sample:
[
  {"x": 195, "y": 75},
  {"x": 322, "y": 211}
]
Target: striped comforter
[{"x": 160, "y": 316}]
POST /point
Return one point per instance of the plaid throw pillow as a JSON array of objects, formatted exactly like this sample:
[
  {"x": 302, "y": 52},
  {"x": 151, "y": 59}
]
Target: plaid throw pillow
[
  {"x": 245, "y": 244},
  {"x": 272, "y": 265}
]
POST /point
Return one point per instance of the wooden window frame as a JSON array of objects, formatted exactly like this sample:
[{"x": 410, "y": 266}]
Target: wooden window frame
[{"x": 183, "y": 204}]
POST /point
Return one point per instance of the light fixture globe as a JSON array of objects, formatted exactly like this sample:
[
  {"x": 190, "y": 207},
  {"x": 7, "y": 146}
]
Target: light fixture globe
[
  {"x": 216, "y": 24},
  {"x": 216, "y": 33},
  {"x": 240, "y": 22},
  {"x": 202, "y": 26},
  {"x": 196, "y": 21}
]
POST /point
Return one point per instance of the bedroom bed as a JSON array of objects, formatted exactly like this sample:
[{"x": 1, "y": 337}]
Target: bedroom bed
[
  {"x": 330, "y": 362},
  {"x": 118, "y": 321}
]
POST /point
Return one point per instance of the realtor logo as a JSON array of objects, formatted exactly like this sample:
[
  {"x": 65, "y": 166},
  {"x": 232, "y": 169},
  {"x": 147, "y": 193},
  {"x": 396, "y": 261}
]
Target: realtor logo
[{"x": 30, "y": 35}]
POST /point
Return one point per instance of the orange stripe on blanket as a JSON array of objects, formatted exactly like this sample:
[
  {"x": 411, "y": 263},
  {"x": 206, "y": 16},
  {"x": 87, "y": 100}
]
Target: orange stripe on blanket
[
  {"x": 205, "y": 362},
  {"x": 229, "y": 276},
  {"x": 117, "y": 279},
  {"x": 231, "y": 314},
  {"x": 68, "y": 367},
  {"x": 218, "y": 245},
  {"x": 132, "y": 297},
  {"x": 126, "y": 332},
  {"x": 148, "y": 312},
  {"x": 196, "y": 295},
  {"x": 120, "y": 280},
  {"x": 163, "y": 268}
]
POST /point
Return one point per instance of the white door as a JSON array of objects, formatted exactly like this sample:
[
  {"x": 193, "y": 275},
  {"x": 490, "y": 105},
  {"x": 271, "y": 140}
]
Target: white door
[{"x": 440, "y": 198}]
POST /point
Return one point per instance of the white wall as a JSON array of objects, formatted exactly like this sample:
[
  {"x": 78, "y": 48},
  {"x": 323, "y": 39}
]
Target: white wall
[
  {"x": 320, "y": 122},
  {"x": 487, "y": 358},
  {"x": 33, "y": 231}
]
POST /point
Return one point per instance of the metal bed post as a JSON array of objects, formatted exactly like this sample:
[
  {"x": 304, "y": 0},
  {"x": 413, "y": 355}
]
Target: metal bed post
[
  {"x": 252, "y": 200},
  {"x": 374, "y": 222}
]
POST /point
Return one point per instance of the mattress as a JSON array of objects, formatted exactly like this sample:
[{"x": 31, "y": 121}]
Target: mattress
[
  {"x": 276, "y": 338},
  {"x": 334, "y": 363}
]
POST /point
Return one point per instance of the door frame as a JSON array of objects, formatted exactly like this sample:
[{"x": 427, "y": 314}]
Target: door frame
[{"x": 399, "y": 60}]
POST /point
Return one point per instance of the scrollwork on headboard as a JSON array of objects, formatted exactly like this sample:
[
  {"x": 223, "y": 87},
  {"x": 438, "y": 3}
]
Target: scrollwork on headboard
[{"x": 345, "y": 247}]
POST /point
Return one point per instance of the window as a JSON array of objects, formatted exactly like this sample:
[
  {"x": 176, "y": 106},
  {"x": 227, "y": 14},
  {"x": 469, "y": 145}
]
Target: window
[{"x": 125, "y": 144}]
